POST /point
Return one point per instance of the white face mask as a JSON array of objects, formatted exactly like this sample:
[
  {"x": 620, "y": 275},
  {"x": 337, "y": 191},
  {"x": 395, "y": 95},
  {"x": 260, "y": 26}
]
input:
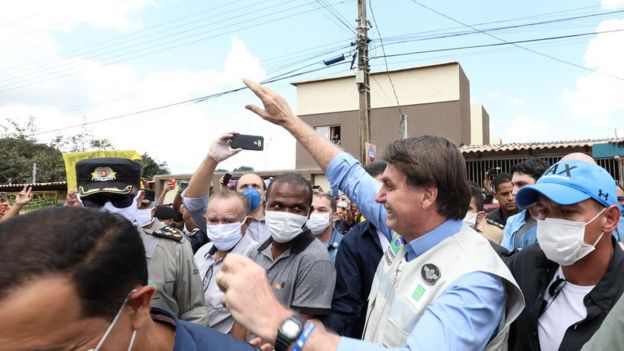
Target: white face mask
[
  {"x": 318, "y": 222},
  {"x": 471, "y": 219},
  {"x": 563, "y": 241},
  {"x": 130, "y": 213},
  {"x": 110, "y": 327},
  {"x": 143, "y": 217},
  {"x": 224, "y": 236},
  {"x": 284, "y": 226}
]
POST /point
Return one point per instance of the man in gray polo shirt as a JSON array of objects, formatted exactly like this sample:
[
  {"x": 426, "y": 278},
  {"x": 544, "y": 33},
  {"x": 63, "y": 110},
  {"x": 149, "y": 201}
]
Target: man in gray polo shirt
[{"x": 297, "y": 265}]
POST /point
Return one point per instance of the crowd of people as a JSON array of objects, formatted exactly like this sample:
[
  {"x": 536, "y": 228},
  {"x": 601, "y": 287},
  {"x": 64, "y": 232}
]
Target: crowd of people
[{"x": 399, "y": 254}]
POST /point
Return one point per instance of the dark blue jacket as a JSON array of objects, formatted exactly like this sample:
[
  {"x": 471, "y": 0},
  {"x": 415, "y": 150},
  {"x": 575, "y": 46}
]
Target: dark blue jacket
[
  {"x": 194, "y": 337},
  {"x": 356, "y": 263}
]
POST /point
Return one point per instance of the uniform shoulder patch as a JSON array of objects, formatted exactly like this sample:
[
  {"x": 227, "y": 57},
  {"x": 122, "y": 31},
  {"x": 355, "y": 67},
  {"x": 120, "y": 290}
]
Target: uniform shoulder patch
[
  {"x": 494, "y": 223},
  {"x": 168, "y": 233}
]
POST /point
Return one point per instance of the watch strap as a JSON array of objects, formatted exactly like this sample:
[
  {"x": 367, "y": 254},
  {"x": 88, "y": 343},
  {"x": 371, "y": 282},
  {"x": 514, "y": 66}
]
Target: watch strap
[{"x": 282, "y": 342}]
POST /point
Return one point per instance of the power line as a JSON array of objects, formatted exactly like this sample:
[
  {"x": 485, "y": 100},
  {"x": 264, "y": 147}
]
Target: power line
[
  {"x": 508, "y": 43},
  {"x": 516, "y": 44},
  {"x": 383, "y": 50},
  {"x": 180, "y": 103},
  {"x": 416, "y": 37},
  {"x": 46, "y": 76},
  {"x": 335, "y": 17}
]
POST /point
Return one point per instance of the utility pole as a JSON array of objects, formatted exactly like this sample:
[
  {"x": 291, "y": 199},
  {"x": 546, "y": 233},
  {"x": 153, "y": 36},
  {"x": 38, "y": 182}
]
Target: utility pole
[{"x": 361, "y": 79}]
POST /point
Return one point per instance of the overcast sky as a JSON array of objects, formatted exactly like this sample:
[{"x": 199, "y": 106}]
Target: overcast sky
[{"x": 88, "y": 61}]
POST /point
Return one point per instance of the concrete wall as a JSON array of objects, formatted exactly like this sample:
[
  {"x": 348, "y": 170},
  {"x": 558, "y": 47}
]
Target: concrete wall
[
  {"x": 480, "y": 125},
  {"x": 436, "y": 100},
  {"x": 413, "y": 86}
]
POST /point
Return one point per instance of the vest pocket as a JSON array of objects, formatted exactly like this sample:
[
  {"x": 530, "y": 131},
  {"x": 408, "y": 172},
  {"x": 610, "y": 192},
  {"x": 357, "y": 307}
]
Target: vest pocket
[{"x": 401, "y": 321}]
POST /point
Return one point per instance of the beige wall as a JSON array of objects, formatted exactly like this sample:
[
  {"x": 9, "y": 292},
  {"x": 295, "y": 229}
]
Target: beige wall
[
  {"x": 413, "y": 86},
  {"x": 436, "y": 100},
  {"x": 476, "y": 124},
  {"x": 441, "y": 118}
]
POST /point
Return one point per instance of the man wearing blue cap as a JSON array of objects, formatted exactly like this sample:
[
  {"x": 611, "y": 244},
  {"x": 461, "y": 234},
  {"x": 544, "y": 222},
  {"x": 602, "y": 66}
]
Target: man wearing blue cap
[{"x": 572, "y": 278}]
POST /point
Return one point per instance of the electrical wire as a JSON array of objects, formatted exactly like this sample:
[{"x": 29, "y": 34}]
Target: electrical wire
[
  {"x": 184, "y": 102},
  {"x": 516, "y": 43},
  {"x": 383, "y": 49},
  {"x": 46, "y": 76}
]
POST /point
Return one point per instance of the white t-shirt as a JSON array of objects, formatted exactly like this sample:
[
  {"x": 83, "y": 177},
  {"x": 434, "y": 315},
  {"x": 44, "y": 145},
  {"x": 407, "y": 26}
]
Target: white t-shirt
[{"x": 564, "y": 310}]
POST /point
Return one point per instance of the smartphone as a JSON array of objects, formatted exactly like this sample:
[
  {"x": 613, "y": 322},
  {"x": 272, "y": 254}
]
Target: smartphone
[
  {"x": 183, "y": 186},
  {"x": 226, "y": 178},
  {"x": 172, "y": 181},
  {"x": 247, "y": 142}
]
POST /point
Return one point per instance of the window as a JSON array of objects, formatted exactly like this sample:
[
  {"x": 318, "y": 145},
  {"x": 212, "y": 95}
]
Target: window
[{"x": 331, "y": 133}]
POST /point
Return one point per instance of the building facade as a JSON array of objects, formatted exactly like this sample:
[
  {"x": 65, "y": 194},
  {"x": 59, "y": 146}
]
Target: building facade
[{"x": 436, "y": 100}]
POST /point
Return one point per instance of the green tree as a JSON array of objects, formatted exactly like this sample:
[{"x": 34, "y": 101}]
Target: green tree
[
  {"x": 243, "y": 169},
  {"x": 17, "y": 156},
  {"x": 151, "y": 167}
]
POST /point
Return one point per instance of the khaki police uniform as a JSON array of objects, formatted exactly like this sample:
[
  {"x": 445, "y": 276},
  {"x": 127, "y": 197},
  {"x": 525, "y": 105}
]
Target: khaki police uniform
[
  {"x": 491, "y": 230},
  {"x": 172, "y": 270}
]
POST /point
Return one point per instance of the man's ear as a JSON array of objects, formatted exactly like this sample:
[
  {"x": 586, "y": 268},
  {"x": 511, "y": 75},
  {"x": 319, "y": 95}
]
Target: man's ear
[
  {"x": 140, "y": 302},
  {"x": 430, "y": 196},
  {"x": 140, "y": 198},
  {"x": 612, "y": 218},
  {"x": 246, "y": 224},
  {"x": 480, "y": 217}
]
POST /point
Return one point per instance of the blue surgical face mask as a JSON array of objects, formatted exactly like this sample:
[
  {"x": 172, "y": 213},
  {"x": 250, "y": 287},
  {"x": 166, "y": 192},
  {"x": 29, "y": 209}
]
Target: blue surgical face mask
[{"x": 254, "y": 197}]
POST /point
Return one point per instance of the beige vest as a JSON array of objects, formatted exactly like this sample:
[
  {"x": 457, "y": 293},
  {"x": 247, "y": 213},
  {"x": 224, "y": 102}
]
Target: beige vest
[{"x": 402, "y": 290}]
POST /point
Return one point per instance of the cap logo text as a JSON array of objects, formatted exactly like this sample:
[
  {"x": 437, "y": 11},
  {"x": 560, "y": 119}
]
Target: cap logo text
[{"x": 554, "y": 168}]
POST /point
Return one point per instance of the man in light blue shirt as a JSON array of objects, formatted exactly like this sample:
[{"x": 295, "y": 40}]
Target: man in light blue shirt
[
  {"x": 521, "y": 229},
  {"x": 426, "y": 206}
]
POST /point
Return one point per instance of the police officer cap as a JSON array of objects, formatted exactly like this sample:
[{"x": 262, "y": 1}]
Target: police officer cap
[{"x": 107, "y": 175}]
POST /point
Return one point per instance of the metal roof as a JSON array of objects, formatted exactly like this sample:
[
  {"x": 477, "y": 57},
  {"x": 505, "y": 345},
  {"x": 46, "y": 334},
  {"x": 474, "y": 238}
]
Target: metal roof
[{"x": 469, "y": 149}]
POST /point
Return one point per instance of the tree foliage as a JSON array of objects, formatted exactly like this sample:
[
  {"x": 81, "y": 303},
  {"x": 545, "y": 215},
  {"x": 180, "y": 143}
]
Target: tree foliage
[
  {"x": 19, "y": 149},
  {"x": 17, "y": 156},
  {"x": 244, "y": 169},
  {"x": 150, "y": 167}
]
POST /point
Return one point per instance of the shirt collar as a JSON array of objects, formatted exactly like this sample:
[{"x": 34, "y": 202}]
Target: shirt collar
[{"x": 432, "y": 238}]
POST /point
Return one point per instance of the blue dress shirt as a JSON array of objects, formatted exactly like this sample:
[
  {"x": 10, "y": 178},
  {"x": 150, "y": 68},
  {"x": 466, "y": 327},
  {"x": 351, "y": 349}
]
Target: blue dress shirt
[
  {"x": 465, "y": 316},
  {"x": 514, "y": 223}
]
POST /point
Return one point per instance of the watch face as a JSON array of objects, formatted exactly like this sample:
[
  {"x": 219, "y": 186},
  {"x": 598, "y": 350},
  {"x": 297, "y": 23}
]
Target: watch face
[{"x": 291, "y": 329}]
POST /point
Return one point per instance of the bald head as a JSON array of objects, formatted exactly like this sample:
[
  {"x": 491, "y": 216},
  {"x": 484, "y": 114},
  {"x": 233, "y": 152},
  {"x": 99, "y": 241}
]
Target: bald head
[
  {"x": 579, "y": 156},
  {"x": 250, "y": 180}
]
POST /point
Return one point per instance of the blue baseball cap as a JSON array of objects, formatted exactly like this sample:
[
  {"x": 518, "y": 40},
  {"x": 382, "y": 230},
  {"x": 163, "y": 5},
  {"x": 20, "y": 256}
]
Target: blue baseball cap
[{"x": 569, "y": 182}]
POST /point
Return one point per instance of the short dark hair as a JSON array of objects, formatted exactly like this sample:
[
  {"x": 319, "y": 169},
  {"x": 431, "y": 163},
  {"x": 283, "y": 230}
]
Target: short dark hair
[
  {"x": 437, "y": 161},
  {"x": 533, "y": 167},
  {"x": 294, "y": 179},
  {"x": 102, "y": 253},
  {"x": 227, "y": 193},
  {"x": 375, "y": 168},
  {"x": 477, "y": 193},
  {"x": 163, "y": 213},
  {"x": 501, "y": 178},
  {"x": 332, "y": 201}
]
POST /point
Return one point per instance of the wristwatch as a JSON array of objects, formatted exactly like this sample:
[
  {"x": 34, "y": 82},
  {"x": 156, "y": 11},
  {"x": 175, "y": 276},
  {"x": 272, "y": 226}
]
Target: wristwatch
[{"x": 288, "y": 332}]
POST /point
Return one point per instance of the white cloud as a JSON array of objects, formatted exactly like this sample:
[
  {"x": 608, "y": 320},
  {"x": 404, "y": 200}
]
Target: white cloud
[
  {"x": 597, "y": 97},
  {"x": 181, "y": 135},
  {"x": 506, "y": 99},
  {"x": 525, "y": 128},
  {"x": 612, "y": 4}
]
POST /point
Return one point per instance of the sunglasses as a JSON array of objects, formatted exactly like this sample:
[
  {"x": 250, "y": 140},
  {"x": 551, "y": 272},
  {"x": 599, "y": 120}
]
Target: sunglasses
[{"x": 96, "y": 201}]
